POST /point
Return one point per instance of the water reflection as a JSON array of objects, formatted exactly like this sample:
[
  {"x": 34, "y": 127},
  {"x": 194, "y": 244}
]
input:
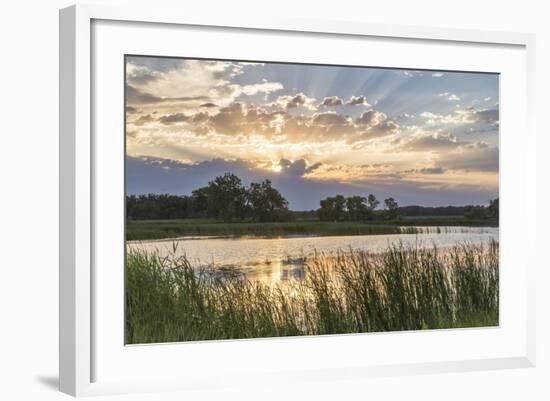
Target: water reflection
[{"x": 272, "y": 260}]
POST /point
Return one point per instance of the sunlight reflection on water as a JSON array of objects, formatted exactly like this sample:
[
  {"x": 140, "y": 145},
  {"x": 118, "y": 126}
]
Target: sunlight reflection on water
[{"x": 272, "y": 260}]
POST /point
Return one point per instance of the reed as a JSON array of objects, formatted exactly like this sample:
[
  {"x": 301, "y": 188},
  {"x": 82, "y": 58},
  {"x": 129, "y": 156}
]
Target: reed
[{"x": 402, "y": 288}]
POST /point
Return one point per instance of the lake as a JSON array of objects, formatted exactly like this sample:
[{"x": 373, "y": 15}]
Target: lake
[{"x": 271, "y": 260}]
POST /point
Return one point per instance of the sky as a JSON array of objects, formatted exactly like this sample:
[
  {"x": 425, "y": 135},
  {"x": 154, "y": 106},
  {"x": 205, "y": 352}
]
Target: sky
[{"x": 422, "y": 137}]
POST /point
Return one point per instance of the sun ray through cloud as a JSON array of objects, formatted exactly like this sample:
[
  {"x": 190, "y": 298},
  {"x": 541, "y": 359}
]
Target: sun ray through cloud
[{"x": 341, "y": 118}]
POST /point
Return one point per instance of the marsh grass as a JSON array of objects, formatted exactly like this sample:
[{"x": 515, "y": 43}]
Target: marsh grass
[
  {"x": 159, "y": 229},
  {"x": 402, "y": 288},
  {"x": 137, "y": 230}
]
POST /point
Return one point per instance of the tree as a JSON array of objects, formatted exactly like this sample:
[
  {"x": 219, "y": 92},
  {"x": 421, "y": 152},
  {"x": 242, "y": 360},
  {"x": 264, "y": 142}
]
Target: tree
[
  {"x": 357, "y": 208},
  {"x": 224, "y": 197},
  {"x": 199, "y": 199},
  {"x": 392, "y": 209},
  {"x": 475, "y": 212},
  {"x": 479, "y": 212},
  {"x": 332, "y": 208},
  {"x": 153, "y": 206},
  {"x": 372, "y": 202},
  {"x": 492, "y": 210},
  {"x": 267, "y": 203}
]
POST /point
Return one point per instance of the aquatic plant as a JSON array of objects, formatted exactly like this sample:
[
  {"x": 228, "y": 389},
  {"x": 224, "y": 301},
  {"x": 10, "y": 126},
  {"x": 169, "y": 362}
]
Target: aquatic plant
[{"x": 402, "y": 288}]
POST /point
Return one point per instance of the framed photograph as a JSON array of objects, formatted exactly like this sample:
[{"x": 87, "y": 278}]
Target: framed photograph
[{"x": 290, "y": 200}]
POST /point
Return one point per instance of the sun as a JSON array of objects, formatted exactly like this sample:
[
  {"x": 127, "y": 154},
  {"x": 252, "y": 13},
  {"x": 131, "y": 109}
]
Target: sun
[{"x": 276, "y": 167}]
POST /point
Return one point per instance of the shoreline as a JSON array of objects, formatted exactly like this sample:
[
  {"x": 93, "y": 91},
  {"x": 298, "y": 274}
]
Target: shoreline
[{"x": 402, "y": 230}]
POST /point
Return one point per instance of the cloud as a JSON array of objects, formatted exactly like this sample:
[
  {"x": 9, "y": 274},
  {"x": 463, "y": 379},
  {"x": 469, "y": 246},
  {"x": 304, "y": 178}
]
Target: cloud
[
  {"x": 174, "y": 118},
  {"x": 357, "y": 101},
  {"x": 413, "y": 73},
  {"x": 488, "y": 116},
  {"x": 469, "y": 115},
  {"x": 452, "y": 154},
  {"x": 219, "y": 116},
  {"x": 431, "y": 170},
  {"x": 140, "y": 74},
  {"x": 191, "y": 80},
  {"x": 297, "y": 168},
  {"x": 253, "y": 89},
  {"x": 330, "y": 118},
  {"x": 472, "y": 157},
  {"x": 450, "y": 96},
  {"x": 291, "y": 102},
  {"x": 135, "y": 96},
  {"x": 424, "y": 171},
  {"x": 161, "y": 176},
  {"x": 430, "y": 142},
  {"x": 144, "y": 119},
  {"x": 236, "y": 119},
  {"x": 375, "y": 124},
  {"x": 300, "y": 183},
  {"x": 371, "y": 117},
  {"x": 331, "y": 101},
  {"x": 429, "y": 115},
  {"x": 245, "y": 122},
  {"x": 209, "y": 85},
  {"x": 153, "y": 63},
  {"x": 200, "y": 117}
]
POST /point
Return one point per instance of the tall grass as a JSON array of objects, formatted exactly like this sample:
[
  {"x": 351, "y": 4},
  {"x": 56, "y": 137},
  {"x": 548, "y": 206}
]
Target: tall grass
[{"x": 402, "y": 288}]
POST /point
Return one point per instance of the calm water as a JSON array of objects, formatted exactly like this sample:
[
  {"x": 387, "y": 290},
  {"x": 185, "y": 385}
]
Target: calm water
[{"x": 271, "y": 260}]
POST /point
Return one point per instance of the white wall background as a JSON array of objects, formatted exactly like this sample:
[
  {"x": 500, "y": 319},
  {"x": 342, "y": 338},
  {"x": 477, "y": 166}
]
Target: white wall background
[{"x": 29, "y": 196}]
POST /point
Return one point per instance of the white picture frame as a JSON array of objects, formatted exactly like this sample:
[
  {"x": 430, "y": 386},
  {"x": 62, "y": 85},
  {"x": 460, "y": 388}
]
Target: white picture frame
[{"x": 78, "y": 366}]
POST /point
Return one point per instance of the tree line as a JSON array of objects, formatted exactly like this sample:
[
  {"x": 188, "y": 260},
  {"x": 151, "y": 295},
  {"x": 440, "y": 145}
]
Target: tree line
[
  {"x": 356, "y": 208},
  {"x": 478, "y": 212},
  {"x": 226, "y": 198}
]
